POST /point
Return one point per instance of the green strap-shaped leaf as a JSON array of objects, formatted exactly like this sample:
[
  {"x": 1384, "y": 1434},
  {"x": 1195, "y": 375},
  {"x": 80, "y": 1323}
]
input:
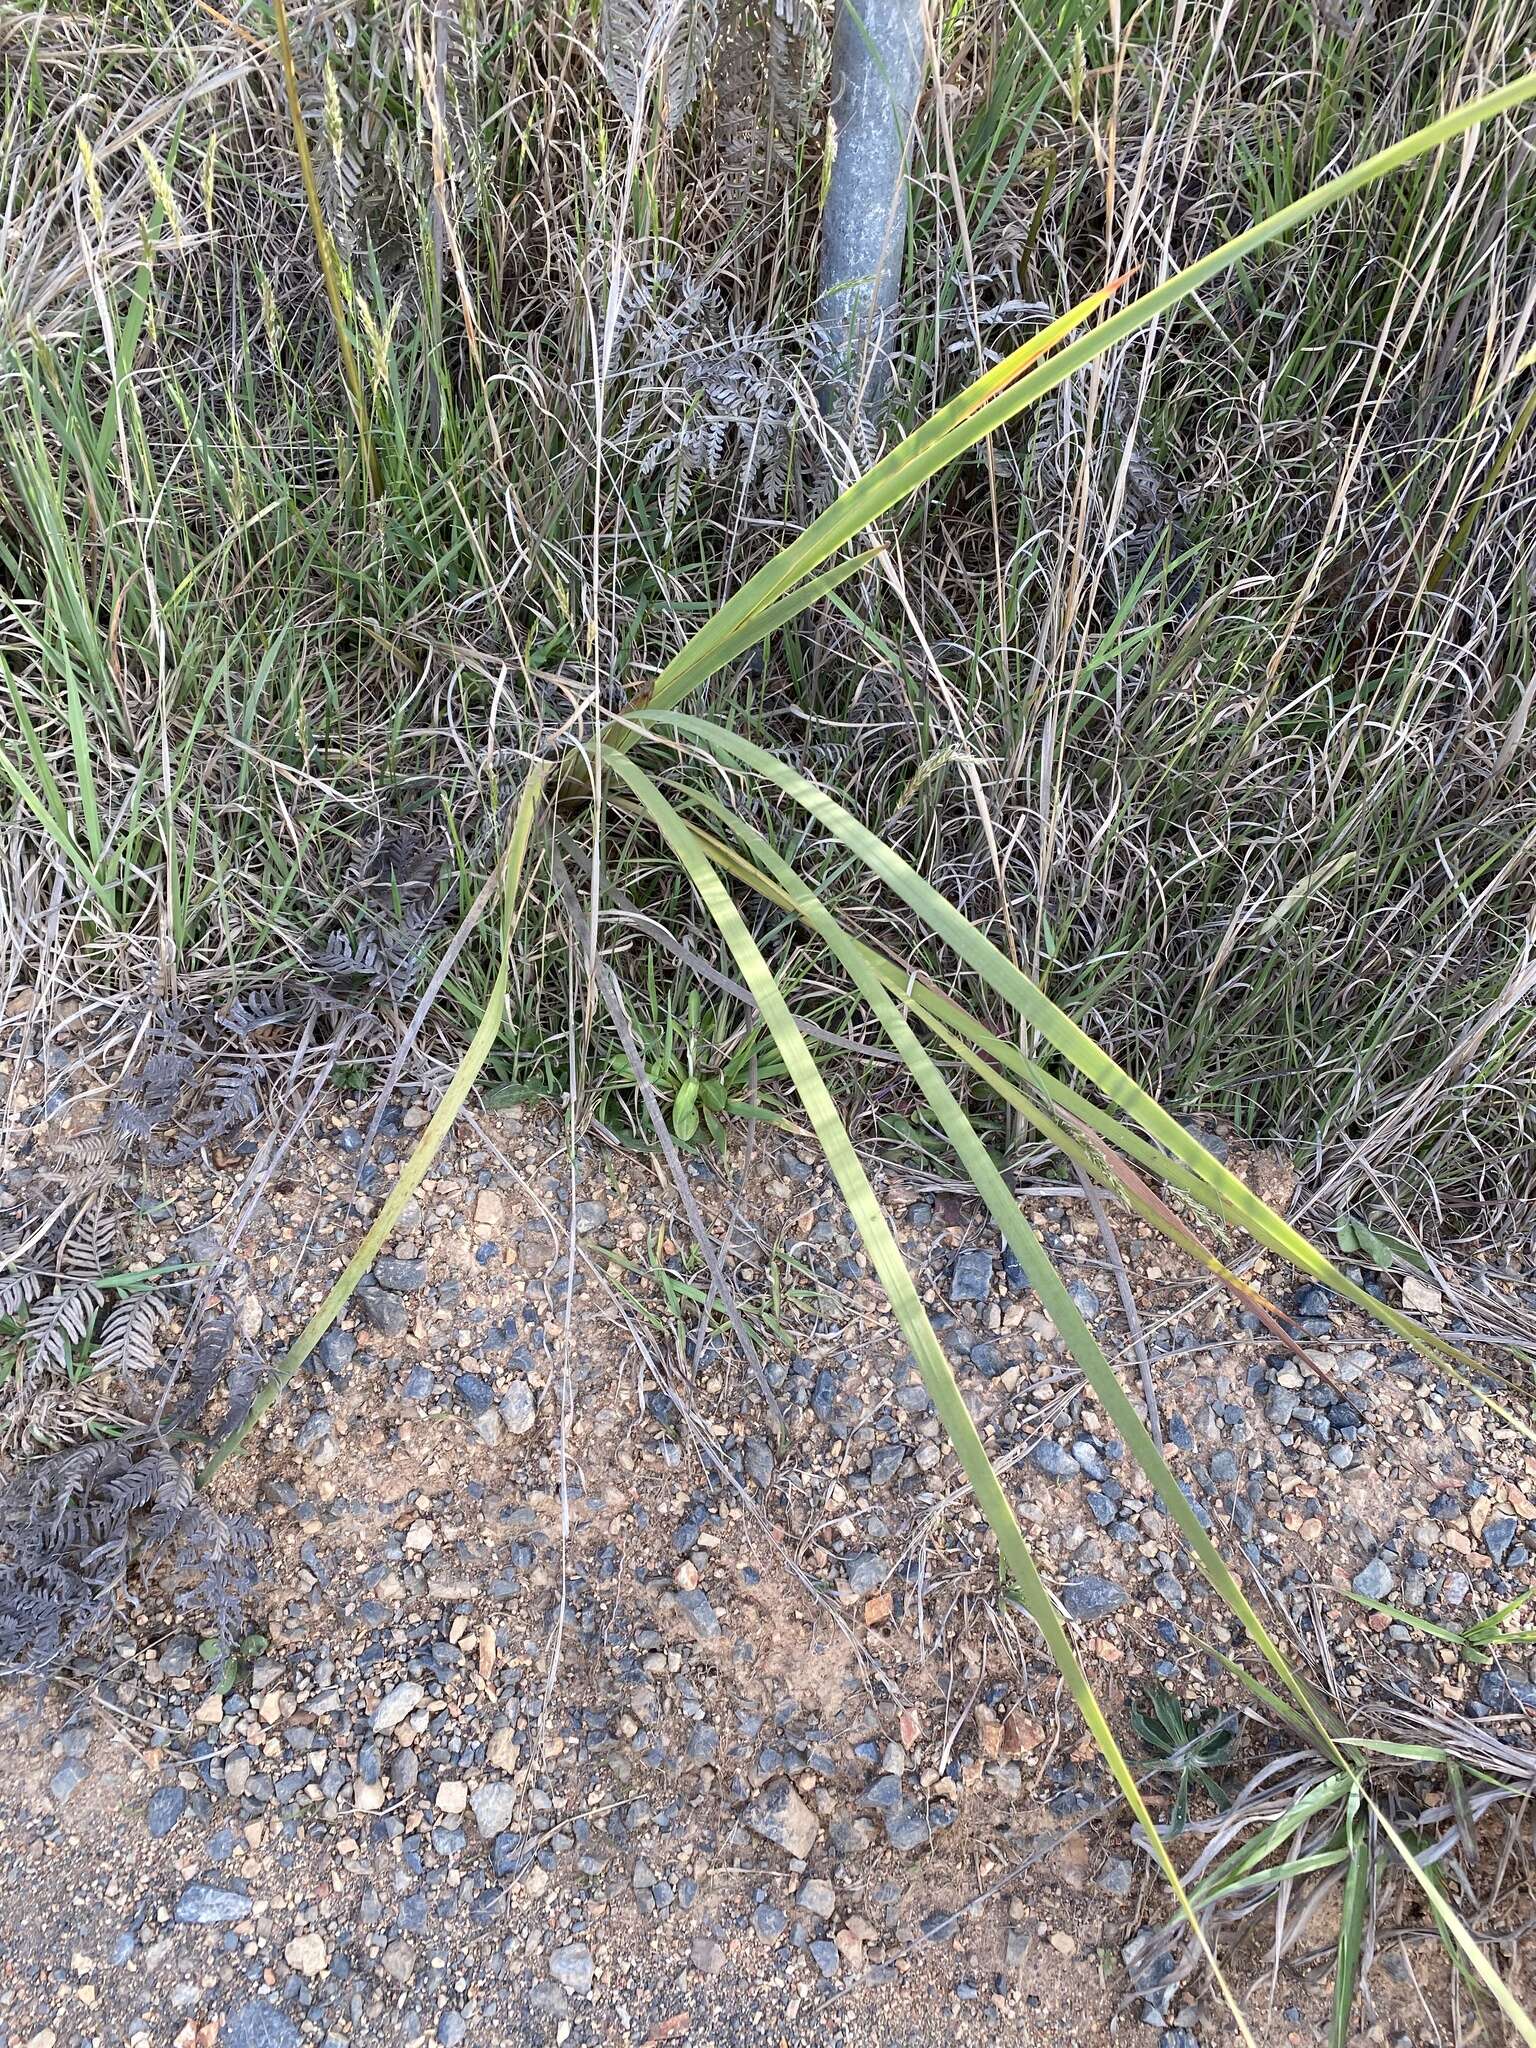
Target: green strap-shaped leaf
[
  {"x": 1053, "y": 1024},
  {"x": 1011, "y": 386},
  {"x": 427, "y": 1147},
  {"x": 885, "y": 1256}
]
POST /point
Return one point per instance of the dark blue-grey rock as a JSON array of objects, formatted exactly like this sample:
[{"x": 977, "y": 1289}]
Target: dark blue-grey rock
[
  {"x": 164, "y": 1810},
  {"x": 781, "y": 1816},
  {"x": 758, "y": 1459},
  {"x": 1499, "y": 1535},
  {"x": 825, "y": 1956},
  {"x": 335, "y": 1349},
  {"x": 1505, "y": 1692},
  {"x": 255, "y": 2024},
  {"x": 769, "y": 1922},
  {"x": 475, "y": 1391},
  {"x": 1224, "y": 1468},
  {"x": 865, "y": 1573},
  {"x": 67, "y": 1780},
  {"x": 885, "y": 1462},
  {"x": 211, "y": 1905},
  {"x": 971, "y": 1277},
  {"x": 907, "y": 1827},
  {"x": 383, "y": 1312},
  {"x": 697, "y": 1611},
  {"x": 1083, "y": 1299},
  {"x": 400, "y": 1276},
  {"x": 1092, "y": 1598},
  {"x": 1049, "y": 1457}
]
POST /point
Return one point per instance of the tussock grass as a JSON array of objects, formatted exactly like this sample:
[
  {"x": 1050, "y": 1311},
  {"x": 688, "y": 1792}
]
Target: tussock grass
[
  {"x": 1208, "y": 689},
  {"x": 1176, "y": 720}
]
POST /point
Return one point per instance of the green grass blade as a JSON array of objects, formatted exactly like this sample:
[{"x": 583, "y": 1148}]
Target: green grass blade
[
  {"x": 938, "y": 1376},
  {"x": 1010, "y": 387},
  {"x": 1058, "y": 1304},
  {"x": 1054, "y": 1025},
  {"x": 414, "y": 1170},
  {"x": 1357, "y": 1893}
]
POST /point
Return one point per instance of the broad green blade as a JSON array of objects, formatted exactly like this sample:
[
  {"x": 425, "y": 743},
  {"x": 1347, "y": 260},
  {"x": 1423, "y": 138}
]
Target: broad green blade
[
  {"x": 885, "y": 1255},
  {"x": 1030, "y": 1253},
  {"x": 1053, "y": 1024},
  {"x": 415, "y": 1169},
  {"x": 1010, "y": 387},
  {"x": 1357, "y": 1893}
]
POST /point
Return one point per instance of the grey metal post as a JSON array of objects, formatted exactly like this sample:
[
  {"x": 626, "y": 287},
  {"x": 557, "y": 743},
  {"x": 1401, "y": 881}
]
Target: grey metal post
[{"x": 877, "y": 67}]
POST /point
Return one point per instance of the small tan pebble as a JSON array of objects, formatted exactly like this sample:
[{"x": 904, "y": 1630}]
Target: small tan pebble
[
  {"x": 248, "y": 1318},
  {"x": 1063, "y": 1943},
  {"x": 211, "y": 1711},
  {"x": 503, "y": 1752},
  {"x": 419, "y": 1537},
  {"x": 877, "y": 1609},
  {"x": 490, "y": 1210},
  {"x": 1421, "y": 1297},
  {"x": 307, "y": 1954},
  {"x": 686, "y": 1577},
  {"x": 452, "y": 1796}
]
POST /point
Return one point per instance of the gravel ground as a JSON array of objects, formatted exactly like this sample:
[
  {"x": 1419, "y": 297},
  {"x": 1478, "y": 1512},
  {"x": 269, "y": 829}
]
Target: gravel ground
[{"x": 681, "y": 1722}]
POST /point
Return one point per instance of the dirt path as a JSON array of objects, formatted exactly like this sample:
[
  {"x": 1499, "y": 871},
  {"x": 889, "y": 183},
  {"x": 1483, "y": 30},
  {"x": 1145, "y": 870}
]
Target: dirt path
[{"x": 676, "y": 1723}]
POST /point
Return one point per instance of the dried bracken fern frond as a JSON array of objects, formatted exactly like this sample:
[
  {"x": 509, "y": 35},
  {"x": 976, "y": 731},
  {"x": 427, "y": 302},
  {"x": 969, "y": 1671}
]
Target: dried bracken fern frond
[
  {"x": 769, "y": 86},
  {"x": 128, "y": 1343},
  {"x": 71, "y": 1524},
  {"x": 655, "y": 54},
  {"x": 707, "y": 398}
]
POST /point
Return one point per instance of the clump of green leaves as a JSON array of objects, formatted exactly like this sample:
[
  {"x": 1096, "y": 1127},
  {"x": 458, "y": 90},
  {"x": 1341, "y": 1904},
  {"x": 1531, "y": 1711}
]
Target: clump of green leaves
[{"x": 1187, "y": 1743}]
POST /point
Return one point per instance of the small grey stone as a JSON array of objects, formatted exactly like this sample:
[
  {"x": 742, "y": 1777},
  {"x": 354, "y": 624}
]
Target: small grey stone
[
  {"x": 1083, "y": 1299},
  {"x": 1092, "y": 1598},
  {"x": 971, "y": 1277},
  {"x": 255, "y": 2024},
  {"x": 588, "y": 1216},
  {"x": 1375, "y": 1580},
  {"x": 1281, "y": 1406},
  {"x": 1498, "y": 1535},
  {"x": 518, "y": 1409},
  {"x": 817, "y": 1897},
  {"x": 315, "y": 1437},
  {"x": 210, "y": 1905},
  {"x": 335, "y": 1349},
  {"x": 907, "y": 1827},
  {"x": 383, "y": 1312},
  {"x": 1049, "y": 1457},
  {"x": 549, "y": 2001},
  {"x": 769, "y": 1922},
  {"x": 1505, "y": 1692},
  {"x": 400, "y": 1700},
  {"x": 452, "y": 2028},
  {"x": 781, "y": 1816},
  {"x": 865, "y": 1573},
  {"x": 826, "y": 1958},
  {"x": 176, "y": 1657},
  {"x": 399, "y": 1960},
  {"x": 696, "y": 1610},
  {"x": 885, "y": 1462},
  {"x": 571, "y": 1967},
  {"x": 494, "y": 1806},
  {"x": 759, "y": 1461},
  {"x": 475, "y": 1391},
  {"x": 1017, "y": 1947},
  {"x": 67, "y": 1779},
  {"x": 1115, "y": 1878},
  {"x": 707, "y": 1955},
  {"x": 165, "y": 1808},
  {"x": 400, "y": 1276},
  {"x": 487, "y": 1428},
  {"x": 1224, "y": 1468}
]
